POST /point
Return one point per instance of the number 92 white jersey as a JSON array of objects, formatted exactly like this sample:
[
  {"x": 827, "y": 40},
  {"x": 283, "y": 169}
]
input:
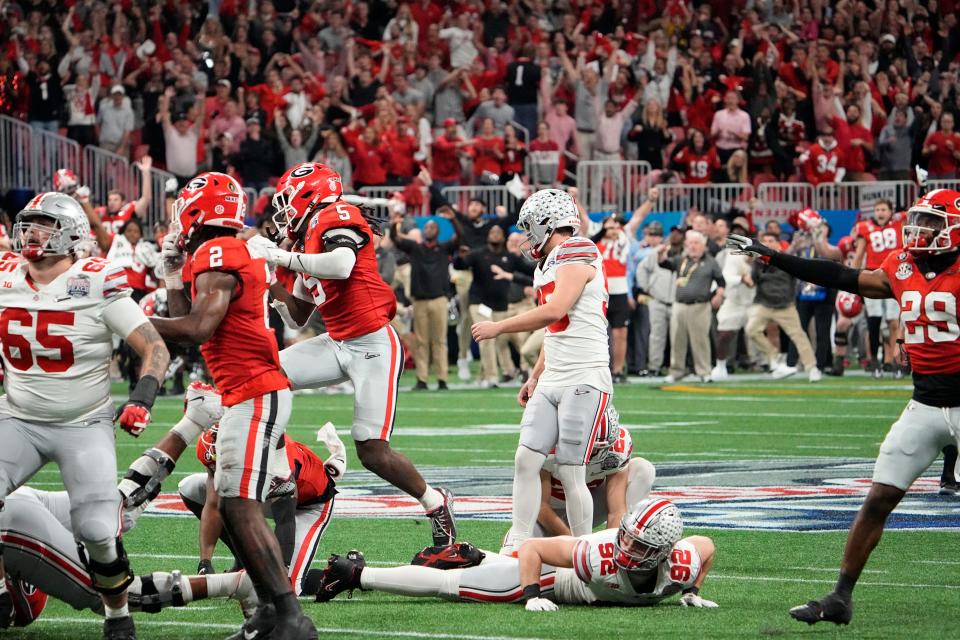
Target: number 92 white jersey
[
  {"x": 57, "y": 339},
  {"x": 595, "y": 577},
  {"x": 576, "y": 348}
]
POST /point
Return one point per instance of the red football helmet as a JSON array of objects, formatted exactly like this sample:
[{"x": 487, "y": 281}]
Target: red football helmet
[
  {"x": 28, "y": 601},
  {"x": 806, "y": 220},
  {"x": 849, "y": 305},
  {"x": 300, "y": 192},
  {"x": 211, "y": 199},
  {"x": 847, "y": 245},
  {"x": 65, "y": 181},
  {"x": 933, "y": 223},
  {"x": 207, "y": 447}
]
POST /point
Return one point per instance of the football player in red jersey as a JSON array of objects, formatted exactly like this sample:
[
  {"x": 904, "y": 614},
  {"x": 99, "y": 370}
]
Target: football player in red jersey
[
  {"x": 925, "y": 279},
  {"x": 226, "y": 315},
  {"x": 876, "y": 239},
  {"x": 334, "y": 257}
]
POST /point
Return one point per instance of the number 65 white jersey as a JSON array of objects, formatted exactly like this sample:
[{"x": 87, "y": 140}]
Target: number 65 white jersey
[
  {"x": 576, "y": 348},
  {"x": 57, "y": 339},
  {"x": 596, "y": 578}
]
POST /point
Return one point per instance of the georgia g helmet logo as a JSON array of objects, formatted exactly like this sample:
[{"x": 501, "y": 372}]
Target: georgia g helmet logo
[
  {"x": 197, "y": 183},
  {"x": 303, "y": 170}
]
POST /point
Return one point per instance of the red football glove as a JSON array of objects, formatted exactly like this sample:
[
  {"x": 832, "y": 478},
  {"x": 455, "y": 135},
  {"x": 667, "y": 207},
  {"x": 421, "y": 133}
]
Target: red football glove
[{"x": 134, "y": 418}]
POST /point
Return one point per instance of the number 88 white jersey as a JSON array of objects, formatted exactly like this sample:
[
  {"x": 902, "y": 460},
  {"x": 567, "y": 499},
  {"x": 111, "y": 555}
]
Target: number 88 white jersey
[
  {"x": 576, "y": 349},
  {"x": 596, "y": 578},
  {"x": 57, "y": 339}
]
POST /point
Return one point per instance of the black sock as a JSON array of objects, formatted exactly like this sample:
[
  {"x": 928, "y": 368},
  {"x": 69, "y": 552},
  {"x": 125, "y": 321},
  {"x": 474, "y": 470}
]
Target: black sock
[
  {"x": 845, "y": 586},
  {"x": 949, "y": 463},
  {"x": 286, "y": 604}
]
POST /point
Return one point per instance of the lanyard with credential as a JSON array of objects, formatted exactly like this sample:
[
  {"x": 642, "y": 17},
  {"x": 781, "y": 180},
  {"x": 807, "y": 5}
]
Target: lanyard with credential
[{"x": 684, "y": 278}]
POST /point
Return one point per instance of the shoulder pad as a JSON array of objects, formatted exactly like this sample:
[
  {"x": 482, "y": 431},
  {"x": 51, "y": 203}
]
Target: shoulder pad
[
  {"x": 220, "y": 254},
  {"x": 96, "y": 275},
  {"x": 577, "y": 249}
]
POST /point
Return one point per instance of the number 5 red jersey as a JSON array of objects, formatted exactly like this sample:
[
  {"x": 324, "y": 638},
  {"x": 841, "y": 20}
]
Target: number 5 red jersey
[
  {"x": 928, "y": 313},
  {"x": 362, "y": 303},
  {"x": 242, "y": 354}
]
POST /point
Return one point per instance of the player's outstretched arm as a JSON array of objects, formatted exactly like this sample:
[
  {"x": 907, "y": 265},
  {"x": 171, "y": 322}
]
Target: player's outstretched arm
[
  {"x": 706, "y": 550},
  {"x": 536, "y": 552},
  {"x": 826, "y": 273},
  {"x": 571, "y": 279},
  {"x": 214, "y": 292}
]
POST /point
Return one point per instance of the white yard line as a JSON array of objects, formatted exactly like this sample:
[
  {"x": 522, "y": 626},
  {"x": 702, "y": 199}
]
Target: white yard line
[{"x": 896, "y": 585}]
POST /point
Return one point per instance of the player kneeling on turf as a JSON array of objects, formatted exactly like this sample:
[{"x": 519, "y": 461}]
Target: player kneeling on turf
[
  {"x": 640, "y": 563},
  {"x": 41, "y": 558}
]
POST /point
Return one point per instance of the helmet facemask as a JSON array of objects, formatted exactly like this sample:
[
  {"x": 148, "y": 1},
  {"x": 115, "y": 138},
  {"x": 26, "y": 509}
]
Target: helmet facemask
[
  {"x": 632, "y": 554},
  {"x": 928, "y": 230},
  {"x": 38, "y": 235},
  {"x": 286, "y": 217}
]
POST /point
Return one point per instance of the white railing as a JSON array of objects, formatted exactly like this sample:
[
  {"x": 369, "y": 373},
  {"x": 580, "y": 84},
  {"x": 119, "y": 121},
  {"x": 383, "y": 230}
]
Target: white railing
[
  {"x": 612, "y": 185},
  {"x": 104, "y": 171},
  {"x": 421, "y": 208},
  {"x": 777, "y": 200},
  {"x": 708, "y": 198},
  {"x": 861, "y": 196},
  {"x": 50, "y": 152},
  {"x": 491, "y": 197},
  {"x": 15, "y": 165}
]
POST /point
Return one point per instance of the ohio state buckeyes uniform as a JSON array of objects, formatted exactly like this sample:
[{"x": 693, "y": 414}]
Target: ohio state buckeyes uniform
[
  {"x": 242, "y": 358},
  {"x": 360, "y": 345},
  {"x": 568, "y": 404},
  {"x": 880, "y": 241},
  {"x": 596, "y": 578},
  {"x": 931, "y": 339}
]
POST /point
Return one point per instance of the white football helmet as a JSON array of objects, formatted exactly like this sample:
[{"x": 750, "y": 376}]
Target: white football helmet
[
  {"x": 52, "y": 224},
  {"x": 647, "y": 534},
  {"x": 608, "y": 432},
  {"x": 543, "y": 213}
]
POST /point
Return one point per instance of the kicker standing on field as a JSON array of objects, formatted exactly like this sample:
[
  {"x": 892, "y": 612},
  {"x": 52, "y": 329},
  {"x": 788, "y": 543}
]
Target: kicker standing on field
[
  {"x": 570, "y": 386},
  {"x": 57, "y": 325},
  {"x": 925, "y": 279}
]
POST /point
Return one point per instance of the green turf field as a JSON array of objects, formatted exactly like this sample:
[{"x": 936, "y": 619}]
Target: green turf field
[{"x": 788, "y": 461}]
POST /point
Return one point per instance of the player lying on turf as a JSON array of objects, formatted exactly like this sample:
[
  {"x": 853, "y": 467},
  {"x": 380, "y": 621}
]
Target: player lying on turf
[
  {"x": 41, "y": 558},
  {"x": 301, "y": 505},
  {"x": 924, "y": 279},
  {"x": 640, "y": 563}
]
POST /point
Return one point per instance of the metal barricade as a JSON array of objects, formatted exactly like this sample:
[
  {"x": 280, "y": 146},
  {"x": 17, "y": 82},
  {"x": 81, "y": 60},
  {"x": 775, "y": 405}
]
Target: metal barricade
[
  {"x": 15, "y": 142},
  {"x": 777, "y": 200},
  {"x": 612, "y": 185},
  {"x": 104, "y": 171},
  {"x": 707, "y": 198},
  {"x": 861, "y": 196},
  {"x": 491, "y": 196},
  {"x": 421, "y": 208},
  {"x": 157, "y": 209},
  {"x": 522, "y": 132},
  {"x": 48, "y": 153},
  {"x": 940, "y": 184}
]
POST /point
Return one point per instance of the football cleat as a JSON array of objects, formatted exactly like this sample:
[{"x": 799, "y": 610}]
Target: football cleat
[
  {"x": 342, "y": 574},
  {"x": 258, "y": 626},
  {"x": 454, "y": 556},
  {"x": 444, "y": 522},
  {"x": 948, "y": 488},
  {"x": 298, "y": 627},
  {"x": 830, "y": 608},
  {"x": 119, "y": 629}
]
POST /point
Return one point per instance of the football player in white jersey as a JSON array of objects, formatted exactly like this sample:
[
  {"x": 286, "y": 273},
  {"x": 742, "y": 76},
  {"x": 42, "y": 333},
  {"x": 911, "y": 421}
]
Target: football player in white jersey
[
  {"x": 615, "y": 480},
  {"x": 59, "y": 315},
  {"x": 639, "y": 563},
  {"x": 570, "y": 387}
]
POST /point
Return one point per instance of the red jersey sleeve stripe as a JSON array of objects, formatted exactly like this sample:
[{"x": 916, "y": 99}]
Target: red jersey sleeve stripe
[
  {"x": 572, "y": 256},
  {"x": 581, "y": 566}
]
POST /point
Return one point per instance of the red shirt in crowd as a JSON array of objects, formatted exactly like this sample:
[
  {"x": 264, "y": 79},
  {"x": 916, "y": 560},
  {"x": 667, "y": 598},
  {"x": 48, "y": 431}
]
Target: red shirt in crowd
[
  {"x": 513, "y": 158},
  {"x": 425, "y": 14},
  {"x": 369, "y": 162},
  {"x": 698, "y": 168},
  {"x": 487, "y": 155},
  {"x": 853, "y": 157},
  {"x": 821, "y": 165},
  {"x": 401, "y": 147},
  {"x": 446, "y": 158},
  {"x": 942, "y": 161}
]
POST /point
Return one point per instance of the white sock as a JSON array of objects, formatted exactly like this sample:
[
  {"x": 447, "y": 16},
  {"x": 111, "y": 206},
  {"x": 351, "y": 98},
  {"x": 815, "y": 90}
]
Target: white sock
[
  {"x": 526, "y": 493},
  {"x": 229, "y": 585},
  {"x": 110, "y": 612},
  {"x": 412, "y": 581},
  {"x": 431, "y": 499},
  {"x": 641, "y": 474},
  {"x": 722, "y": 362},
  {"x": 573, "y": 477}
]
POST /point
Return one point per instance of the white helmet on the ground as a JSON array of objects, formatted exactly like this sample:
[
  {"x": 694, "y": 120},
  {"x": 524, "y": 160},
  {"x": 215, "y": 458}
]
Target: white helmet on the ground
[
  {"x": 543, "y": 213},
  {"x": 36, "y": 238},
  {"x": 647, "y": 534}
]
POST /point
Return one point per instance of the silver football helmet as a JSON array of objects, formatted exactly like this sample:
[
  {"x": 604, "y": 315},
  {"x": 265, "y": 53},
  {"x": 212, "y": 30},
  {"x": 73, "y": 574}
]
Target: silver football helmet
[
  {"x": 52, "y": 224},
  {"x": 647, "y": 534},
  {"x": 608, "y": 432},
  {"x": 543, "y": 213}
]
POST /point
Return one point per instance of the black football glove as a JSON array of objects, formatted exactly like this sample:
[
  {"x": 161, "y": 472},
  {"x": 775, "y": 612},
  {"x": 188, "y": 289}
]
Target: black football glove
[
  {"x": 742, "y": 245},
  {"x": 205, "y": 568}
]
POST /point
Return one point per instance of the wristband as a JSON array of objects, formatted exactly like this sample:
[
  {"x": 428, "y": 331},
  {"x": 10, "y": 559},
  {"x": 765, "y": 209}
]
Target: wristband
[
  {"x": 145, "y": 392},
  {"x": 173, "y": 281},
  {"x": 531, "y": 591}
]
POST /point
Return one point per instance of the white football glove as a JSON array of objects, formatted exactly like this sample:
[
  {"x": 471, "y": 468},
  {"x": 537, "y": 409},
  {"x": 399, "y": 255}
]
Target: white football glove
[
  {"x": 202, "y": 404},
  {"x": 744, "y": 246},
  {"x": 336, "y": 464},
  {"x": 540, "y": 604},
  {"x": 263, "y": 247},
  {"x": 694, "y": 600},
  {"x": 82, "y": 194},
  {"x": 172, "y": 260}
]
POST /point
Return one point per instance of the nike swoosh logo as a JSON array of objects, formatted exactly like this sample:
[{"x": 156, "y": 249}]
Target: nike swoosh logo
[
  {"x": 247, "y": 635},
  {"x": 370, "y": 356},
  {"x": 331, "y": 585},
  {"x": 580, "y": 392}
]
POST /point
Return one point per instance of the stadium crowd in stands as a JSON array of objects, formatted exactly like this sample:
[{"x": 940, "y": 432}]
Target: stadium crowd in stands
[{"x": 424, "y": 95}]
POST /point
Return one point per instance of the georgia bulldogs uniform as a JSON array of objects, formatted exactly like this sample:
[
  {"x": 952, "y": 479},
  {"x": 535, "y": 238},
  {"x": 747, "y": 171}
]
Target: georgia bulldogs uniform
[
  {"x": 698, "y": 167},
  {"x": 820, "y": 165},
  {"x": 879, "y": 242}
]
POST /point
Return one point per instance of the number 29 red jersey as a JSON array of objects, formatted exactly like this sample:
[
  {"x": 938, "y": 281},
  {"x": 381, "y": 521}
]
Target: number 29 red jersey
[
  {"x": 881, "y": 240},
  {"x": 242, "y": 354},
  {"x": 928, "y": 313},
  {"x": 363, "y": 302}
]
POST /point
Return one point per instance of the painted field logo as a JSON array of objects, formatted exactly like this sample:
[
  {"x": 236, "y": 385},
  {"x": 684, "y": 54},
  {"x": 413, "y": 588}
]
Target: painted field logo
[{"x": 809, "y": 494}]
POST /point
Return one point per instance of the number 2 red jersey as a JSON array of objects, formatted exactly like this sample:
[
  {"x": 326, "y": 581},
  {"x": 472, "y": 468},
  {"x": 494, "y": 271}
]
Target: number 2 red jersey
[
  {"x": 882, "y": 240},
  {"x": 928, "y": 314},
  {"x": 242, "y": 354},
  {"x": 363, "y": 302}
]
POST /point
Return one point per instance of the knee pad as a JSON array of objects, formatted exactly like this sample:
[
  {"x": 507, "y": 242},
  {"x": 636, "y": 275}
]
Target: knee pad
[
  {"x": 840, "y": 339},
  {"x": 528, "y": 462},
  {"x": 112, "y": 577},
  {"x": 153, "y": 592}
]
